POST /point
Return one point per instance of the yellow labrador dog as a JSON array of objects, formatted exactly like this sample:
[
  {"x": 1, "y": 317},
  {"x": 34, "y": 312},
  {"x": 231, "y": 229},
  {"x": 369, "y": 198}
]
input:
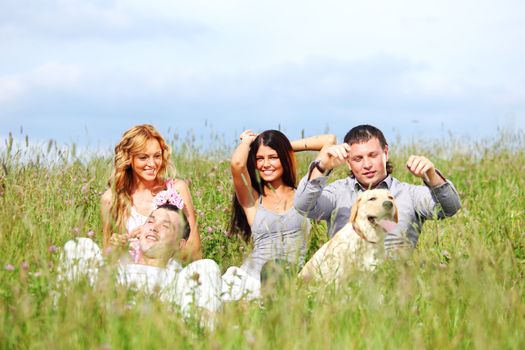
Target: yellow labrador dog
[{"x": 359, "y": 243}]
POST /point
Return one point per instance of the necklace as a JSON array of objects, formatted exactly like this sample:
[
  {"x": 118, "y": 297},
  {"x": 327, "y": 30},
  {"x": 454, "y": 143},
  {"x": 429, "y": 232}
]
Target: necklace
[{"x": 278, "y": 202}]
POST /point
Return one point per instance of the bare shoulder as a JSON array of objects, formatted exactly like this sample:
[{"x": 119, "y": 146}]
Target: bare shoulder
[
  {"x": 182, "y": 187},
  {"x": 180, "y": 184},
  {"x": 106, "y": 197}
]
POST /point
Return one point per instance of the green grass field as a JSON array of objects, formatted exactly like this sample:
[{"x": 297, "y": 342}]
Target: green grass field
[{"x": 464, "y": 286}]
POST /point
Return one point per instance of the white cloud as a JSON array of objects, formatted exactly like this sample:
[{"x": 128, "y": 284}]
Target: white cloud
[
  {"x": 260, "y": 61},
  {"x": 10, "y": 88},
  {"x": 47, "y": 76}
]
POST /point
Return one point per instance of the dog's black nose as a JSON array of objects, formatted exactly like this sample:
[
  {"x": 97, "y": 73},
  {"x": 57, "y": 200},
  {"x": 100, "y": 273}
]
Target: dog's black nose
[{"x": 388, "y": 205}]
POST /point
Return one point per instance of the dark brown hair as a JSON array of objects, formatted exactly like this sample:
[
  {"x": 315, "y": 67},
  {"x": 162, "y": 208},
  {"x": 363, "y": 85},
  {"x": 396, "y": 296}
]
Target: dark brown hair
[
  {"x": 280, "y": 143},
  {"x": 186, "y": 228}
]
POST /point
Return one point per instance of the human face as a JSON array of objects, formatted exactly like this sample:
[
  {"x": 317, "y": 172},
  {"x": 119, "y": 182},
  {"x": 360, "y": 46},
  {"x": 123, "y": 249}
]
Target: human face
[
  {"x": 368, "y": 162},
  {"x": 159, "y": 237},
  {"x": 268, "y": 164},
  {"x": 147, "y": 162}
]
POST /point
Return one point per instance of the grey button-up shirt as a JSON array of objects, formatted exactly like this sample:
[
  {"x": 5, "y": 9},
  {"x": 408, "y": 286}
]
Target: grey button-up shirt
[{"x": 415, "y": 204}]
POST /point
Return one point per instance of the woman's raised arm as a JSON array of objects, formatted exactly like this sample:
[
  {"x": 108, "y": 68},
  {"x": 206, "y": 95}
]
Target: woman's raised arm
[
  {"x": 314, "y": 143},
  {"x": 241, "y": 178}
]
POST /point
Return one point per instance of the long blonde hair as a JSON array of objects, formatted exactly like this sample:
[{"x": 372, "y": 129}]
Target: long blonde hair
[{"x": 132, "y": 142}]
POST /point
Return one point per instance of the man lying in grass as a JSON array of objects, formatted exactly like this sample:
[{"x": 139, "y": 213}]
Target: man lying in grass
[{"x": 157, "y": 268}]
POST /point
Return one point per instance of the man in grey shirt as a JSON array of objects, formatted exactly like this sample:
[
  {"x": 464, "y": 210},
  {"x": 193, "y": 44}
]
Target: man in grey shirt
[{"x": 365, "y": 151}]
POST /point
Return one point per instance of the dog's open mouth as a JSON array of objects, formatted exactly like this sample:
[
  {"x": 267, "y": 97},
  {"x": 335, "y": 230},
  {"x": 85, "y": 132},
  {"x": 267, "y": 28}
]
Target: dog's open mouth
[
  {"x": 387, "y": 224},
  {"x": 372, "y": 219}
]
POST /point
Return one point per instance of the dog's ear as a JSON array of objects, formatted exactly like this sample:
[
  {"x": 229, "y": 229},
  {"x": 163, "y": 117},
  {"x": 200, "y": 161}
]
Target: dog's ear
[
  {"x": 353, "y": 212},
  {"x": 396, "y": 216}
]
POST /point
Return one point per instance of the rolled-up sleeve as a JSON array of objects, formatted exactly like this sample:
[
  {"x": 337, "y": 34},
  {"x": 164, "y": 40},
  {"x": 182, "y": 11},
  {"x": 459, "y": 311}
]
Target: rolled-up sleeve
[
  {"x": 437, "y": 202},
  {"x": 312, "y": 200},
  {"x": 447, "y": 196}
]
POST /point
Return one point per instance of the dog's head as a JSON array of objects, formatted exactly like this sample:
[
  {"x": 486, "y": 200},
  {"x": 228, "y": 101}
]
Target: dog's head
[{"x": 373, "y": 213}]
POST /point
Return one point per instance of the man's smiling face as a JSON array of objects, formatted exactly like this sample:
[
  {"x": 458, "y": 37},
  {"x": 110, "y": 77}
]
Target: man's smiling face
[{"x": 160, "y": 235}]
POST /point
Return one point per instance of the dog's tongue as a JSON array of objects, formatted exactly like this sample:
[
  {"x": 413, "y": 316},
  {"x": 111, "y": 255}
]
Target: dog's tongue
[{"x": 387, "y": 225}]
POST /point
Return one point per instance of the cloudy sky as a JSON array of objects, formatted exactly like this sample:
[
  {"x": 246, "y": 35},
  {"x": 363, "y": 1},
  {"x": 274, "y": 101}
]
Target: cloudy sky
[{"x": 85, "y": 71}]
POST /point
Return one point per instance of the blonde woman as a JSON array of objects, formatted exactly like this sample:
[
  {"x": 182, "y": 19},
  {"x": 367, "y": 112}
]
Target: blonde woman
[{"x": 142, "y": 159}]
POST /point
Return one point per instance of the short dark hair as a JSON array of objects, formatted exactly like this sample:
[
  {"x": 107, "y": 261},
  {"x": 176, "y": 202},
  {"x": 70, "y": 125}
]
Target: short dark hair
[
  {"x": 186, "y": 228},
  {"x": 363, "y": 133}
]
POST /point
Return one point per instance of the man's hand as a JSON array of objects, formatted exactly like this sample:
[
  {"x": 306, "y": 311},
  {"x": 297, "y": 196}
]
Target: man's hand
[
  {"x": 333, "y": 156},
  {"x": 422, "y": 167}
]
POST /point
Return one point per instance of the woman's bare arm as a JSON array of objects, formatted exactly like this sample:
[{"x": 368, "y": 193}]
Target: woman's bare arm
[
  {"x": 241, "y": 178},
  {"x": 314, "y": 143},
  {"x": 192, "y": 250}
]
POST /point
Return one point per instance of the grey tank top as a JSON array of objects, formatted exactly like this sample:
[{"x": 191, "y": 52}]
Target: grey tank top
[{"x": 276, "y": 236}]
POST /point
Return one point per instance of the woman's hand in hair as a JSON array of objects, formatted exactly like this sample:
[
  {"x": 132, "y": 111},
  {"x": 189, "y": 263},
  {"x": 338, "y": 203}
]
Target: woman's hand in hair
[
  {"x": 135, "y": 233},
  {"x": 119, "y": 240},
  {"x": 247, "y": 136}
]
